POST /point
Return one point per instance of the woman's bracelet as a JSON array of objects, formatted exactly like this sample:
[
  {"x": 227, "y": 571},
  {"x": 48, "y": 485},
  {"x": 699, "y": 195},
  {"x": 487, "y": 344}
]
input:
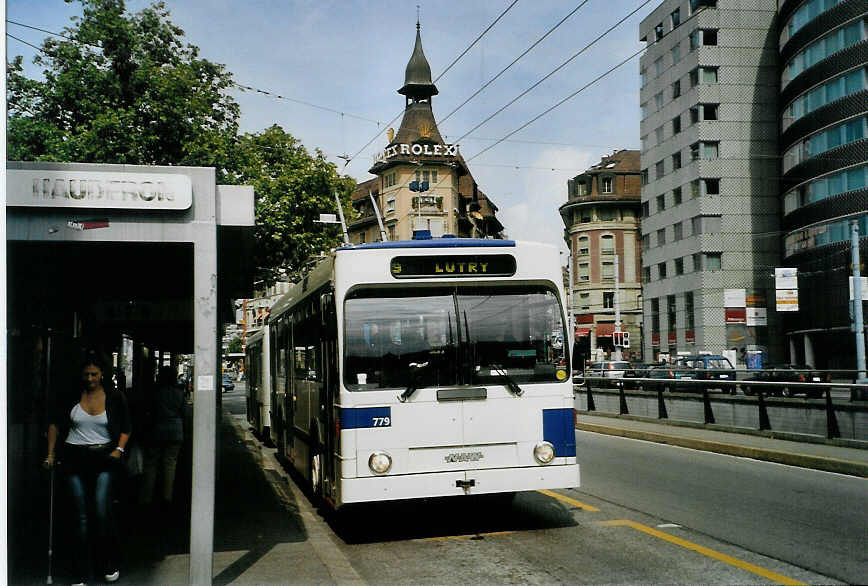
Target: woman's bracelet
[{"x": 120, "y": 449}]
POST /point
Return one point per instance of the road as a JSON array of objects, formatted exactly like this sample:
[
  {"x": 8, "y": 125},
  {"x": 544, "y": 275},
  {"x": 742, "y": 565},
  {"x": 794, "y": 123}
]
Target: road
[{"x": 638, "y": 518}]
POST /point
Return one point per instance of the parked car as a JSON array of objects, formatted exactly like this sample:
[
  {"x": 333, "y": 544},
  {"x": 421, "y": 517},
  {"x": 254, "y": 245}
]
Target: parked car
[
  {"x": 708, "y": 369},
  {"x": 637, "y": 370},
  {"x": 228, "y": 385},
  {"x": 787, "y": 373},
  {"x": 610, "y": 369},
  {"x": 661, "y": 373}
]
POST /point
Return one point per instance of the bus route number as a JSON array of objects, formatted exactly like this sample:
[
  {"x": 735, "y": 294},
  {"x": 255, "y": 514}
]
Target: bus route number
[{"x": 382, "y": 421}]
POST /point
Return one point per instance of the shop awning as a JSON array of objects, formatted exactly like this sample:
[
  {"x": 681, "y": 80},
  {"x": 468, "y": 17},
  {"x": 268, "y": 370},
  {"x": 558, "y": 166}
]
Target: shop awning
[
  {"x": 605, "y": 330},
  {"x": 583, "y": 332}
]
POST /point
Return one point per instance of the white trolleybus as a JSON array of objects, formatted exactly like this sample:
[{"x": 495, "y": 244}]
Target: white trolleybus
[
  {"x": 425, "y": 368},
  {"x": 257, "y": 368}
]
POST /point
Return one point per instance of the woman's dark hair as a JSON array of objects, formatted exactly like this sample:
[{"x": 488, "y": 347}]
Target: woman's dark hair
[{"x": 93, "y": 358}]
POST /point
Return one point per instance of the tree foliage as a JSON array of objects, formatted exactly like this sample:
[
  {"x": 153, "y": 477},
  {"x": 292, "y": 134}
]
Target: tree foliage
[
  {"x": 293, "y": 187},
  {"x": 127, "y": 88}
]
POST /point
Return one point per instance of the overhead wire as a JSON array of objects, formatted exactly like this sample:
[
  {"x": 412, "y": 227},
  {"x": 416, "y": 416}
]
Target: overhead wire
[{"x": 516, "y": 60}]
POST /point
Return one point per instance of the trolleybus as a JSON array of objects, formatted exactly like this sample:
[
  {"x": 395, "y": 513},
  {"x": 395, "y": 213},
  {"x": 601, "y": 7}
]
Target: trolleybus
[
  {"x": 258, "y": 369},
  {"x": 425, "y": 368}
]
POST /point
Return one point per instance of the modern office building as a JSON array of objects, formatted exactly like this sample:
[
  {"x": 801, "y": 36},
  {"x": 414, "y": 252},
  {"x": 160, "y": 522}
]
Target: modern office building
[
  {"x": 601, "y": 219},
  {"x": 709, "y": 166},
  {"x": 824, "y": 184},
  {"x": 451, "y": 202}
]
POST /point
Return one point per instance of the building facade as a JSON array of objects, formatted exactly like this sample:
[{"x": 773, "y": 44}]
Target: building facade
[
  {"x": 824, "y": 167},
  {"x": 418, "y": 158},
  {"x": 601, "y": 219},
  {"x": 709, "y": 167}
]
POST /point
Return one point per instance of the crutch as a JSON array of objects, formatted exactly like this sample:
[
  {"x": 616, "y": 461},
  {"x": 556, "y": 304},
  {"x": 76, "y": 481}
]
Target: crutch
[{"x": 49, "y": 580}]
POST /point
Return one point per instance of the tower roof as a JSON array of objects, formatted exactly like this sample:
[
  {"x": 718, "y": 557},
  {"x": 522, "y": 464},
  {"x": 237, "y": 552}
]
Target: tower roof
[{"x": 417, "y": 77}]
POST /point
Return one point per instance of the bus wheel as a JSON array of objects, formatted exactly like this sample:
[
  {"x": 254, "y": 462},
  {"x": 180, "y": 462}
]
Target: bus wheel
[{"x": 315, "y": 467}]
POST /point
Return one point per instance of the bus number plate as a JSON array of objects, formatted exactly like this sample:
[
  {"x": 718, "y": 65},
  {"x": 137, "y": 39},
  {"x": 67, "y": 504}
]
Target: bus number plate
[{"x": 382, "y": 421}]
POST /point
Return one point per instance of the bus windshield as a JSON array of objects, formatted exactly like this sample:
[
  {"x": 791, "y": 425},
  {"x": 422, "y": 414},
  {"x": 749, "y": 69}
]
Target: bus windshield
[{"x": 452, "y": 336}]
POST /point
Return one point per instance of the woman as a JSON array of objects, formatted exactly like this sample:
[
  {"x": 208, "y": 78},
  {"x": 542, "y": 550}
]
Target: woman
[{"x": 92, "y": 428}]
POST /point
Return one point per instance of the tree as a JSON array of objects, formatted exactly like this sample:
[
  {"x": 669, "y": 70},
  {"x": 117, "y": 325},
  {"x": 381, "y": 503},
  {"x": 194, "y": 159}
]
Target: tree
[
  {"x": 235, "y": 345},
  {"x": 292, "y": 187},
  {"x": 122, "y": 88}
]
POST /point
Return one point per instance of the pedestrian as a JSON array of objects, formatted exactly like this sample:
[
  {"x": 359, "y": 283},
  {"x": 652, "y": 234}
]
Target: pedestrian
[
  {"x": 167, "y": 435},
  {"x": 88, "y": 431}
]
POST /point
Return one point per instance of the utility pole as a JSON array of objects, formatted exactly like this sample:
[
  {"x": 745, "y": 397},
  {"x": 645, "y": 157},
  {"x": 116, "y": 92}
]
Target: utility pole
[
  {"x": 616, "y": 337},
  {"x": 859, "y": 322}
]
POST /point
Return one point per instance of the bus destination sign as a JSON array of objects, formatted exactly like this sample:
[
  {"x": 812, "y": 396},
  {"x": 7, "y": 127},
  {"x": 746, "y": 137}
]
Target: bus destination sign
[{"x": 453, "y": 266}]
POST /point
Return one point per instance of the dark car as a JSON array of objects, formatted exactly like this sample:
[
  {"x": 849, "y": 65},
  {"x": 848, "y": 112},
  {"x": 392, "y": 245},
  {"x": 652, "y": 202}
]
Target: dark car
[
  {"x": 637, "y": 370},
  {"x": 661, "y": 373},
  {"x": 607, "y": 369},
  {"x": 708, "y": 369},
  {"x": 787, "y": 373},
  {"x": 227, "y": 384}
]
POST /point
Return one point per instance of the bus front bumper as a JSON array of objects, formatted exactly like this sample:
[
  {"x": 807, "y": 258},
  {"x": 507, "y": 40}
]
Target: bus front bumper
[{"x": 410, "y": 486}]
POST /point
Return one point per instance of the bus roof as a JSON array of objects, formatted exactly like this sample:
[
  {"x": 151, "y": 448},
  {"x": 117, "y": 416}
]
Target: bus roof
[{"x": 434, "y": 243}]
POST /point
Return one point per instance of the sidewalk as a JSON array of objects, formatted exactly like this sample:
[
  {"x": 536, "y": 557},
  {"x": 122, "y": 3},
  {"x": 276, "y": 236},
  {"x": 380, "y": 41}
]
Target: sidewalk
[{"x": 831, "y": 458}]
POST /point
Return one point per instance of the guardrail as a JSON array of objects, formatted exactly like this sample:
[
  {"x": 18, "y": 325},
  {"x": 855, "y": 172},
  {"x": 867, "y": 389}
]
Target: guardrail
[{"x": 823, "y": 417}]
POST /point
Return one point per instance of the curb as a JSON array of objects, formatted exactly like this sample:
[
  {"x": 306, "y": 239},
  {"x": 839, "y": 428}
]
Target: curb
[{"x": 791, "y": 459}]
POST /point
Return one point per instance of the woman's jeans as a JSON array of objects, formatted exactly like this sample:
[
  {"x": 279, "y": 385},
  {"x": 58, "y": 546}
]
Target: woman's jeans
[{"x": 90, "y": 477}]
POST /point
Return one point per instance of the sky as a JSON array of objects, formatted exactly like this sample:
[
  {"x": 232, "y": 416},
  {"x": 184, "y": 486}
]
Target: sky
[{"x": 340, "y": 63}]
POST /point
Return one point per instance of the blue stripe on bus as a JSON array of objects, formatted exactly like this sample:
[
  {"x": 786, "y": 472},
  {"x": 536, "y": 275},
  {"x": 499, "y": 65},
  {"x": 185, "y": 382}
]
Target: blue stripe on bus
[
  {"x": 366, "y": 417},
  {"x": 434, "y": 243},
  {"x": 559, "y": 430}
]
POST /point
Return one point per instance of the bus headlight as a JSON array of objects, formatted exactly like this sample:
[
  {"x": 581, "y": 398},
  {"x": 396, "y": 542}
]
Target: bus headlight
[
  {"x": 380, "y": 462},
  {"x": 544, "y": 452}
]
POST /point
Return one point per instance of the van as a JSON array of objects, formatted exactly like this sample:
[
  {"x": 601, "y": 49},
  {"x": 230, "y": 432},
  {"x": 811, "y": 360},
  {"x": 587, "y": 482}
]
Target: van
[{"x": 710, "y": 368}]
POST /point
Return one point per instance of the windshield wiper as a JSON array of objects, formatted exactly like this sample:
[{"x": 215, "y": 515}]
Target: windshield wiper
[
  {"x": 511, "y": 385},
  {"x": 414, "y": 381}
]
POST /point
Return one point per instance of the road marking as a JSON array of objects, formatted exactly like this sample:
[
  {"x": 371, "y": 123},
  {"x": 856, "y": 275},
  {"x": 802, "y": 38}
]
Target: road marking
[
  {"x": 774, "y": 576},
  {"x": 470, "y": 536},
  {"x": 569, "y": 500}
]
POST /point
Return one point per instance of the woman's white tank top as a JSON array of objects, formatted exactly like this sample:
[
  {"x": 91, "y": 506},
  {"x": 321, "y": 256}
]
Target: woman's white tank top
[{"x": 86, "y": 429}]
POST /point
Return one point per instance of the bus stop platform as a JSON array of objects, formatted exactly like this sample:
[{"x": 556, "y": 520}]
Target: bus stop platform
[{"x": 850, "y": 459}]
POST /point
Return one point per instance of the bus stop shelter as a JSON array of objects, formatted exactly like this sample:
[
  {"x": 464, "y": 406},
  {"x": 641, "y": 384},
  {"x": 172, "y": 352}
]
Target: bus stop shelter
[{"x": 129, "y": 259}]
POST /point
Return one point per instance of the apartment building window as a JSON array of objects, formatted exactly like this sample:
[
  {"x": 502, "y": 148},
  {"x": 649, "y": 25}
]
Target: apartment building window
[
  {"x": 676, "y": 88},
  {"x": 676, "y": 161},
  {"x": 661, "y": 236},
  {"x": 643, "y": 141},
  {"x": 708, "y": 75},
  {"x": 608, "y": 271},
  {"x": 655, "y": 316},
  {"x": 688, "y": 311},
  {"x": 643, "y": 110},
  {"x": 694, "y": 114},
  {"x": 584, "y": 273},
  {"x": 643, "y": 176},
  {"x": 658, "y": 31},
  {"x": 608, "y": 299},
  {"x": 643, "y": 77},
  {"x": 696, "y": 223},
  {"x": 584, "y": 245},
  {"x": 676, "y": 196},
  {"x": 679, "y": 266},
  {"x": 607, "y": 244},
  {"x": 606, "y": 214},
  {"x": 658, "y": 100},
  {"x": 390, "y": 204},
  {"x": 658, "y": 66},
  {"x": 709, "y": 37},
  {"x": 646, "y": 242},
  {"x": 677, "y": 231},
  {"x": 694, "y": 151},
  {"x": 670, "y": 312},
  {"x": 362, "y": 237},
  {"x": 713, "y": 261},
  {"x": 709, "y": 111},
  {"x": 694, "y": 188},
  {"x": 659, "y": 169},
  {"x": 585, "y": 297},
  {"x": 646, "y": 211},
  {"x": 646, "y": 274},
  {"x": 712, "y": 186},
  {"x": 693, "y": 40},
  {"x": 658, "y": 134},
  {"x": 606, "y": 183},
  {"x": 581, "y": 188},
  {"x": 675, "y": 17},
  {"x": 710, "y": 150},
  {"x": 676, "y": 54},
  {"x": 697, "y": 261},
  {"x": 676, "y": 125},
  {"x": 661, "y": 203},
  {"x": 661, "y": 270}
]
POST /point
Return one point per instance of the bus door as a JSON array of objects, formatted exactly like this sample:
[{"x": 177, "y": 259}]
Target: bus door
[{"x": 329, "y": 389}]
